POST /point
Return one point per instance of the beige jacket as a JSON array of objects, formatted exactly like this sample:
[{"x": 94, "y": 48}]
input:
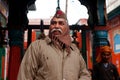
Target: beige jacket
[{"x": 43, "y": 61}]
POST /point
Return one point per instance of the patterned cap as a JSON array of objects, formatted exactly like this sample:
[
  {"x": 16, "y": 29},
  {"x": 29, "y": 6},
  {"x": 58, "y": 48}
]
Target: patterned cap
[{"x": 60, "y": 14}]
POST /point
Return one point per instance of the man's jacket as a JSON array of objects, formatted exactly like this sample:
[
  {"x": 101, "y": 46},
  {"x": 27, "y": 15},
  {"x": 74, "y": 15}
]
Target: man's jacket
[{"x": 44, "y": 61}]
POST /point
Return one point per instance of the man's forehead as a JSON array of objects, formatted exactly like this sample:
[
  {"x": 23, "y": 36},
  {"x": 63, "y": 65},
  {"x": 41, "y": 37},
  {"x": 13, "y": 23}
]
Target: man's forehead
[
  {"x": 58, "y": 19},
  {"x": 106, "y": 52}
]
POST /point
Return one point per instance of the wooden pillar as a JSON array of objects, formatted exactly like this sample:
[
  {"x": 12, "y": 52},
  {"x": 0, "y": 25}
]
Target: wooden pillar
[
  {"x": 100, "y": 34},
  {"x": 17, "y": 22},
  {"x": 16, "y": 51}
]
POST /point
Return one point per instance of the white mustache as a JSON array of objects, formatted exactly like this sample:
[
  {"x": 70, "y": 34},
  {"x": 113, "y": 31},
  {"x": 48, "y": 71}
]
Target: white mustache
[{"x": 58, "y": 29}]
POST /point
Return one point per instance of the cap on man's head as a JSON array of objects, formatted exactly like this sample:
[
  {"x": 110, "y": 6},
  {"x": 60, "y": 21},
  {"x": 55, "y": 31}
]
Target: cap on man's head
[{"x": 60, "y": 14}]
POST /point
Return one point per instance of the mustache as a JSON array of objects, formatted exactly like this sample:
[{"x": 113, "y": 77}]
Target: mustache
[{"x": 56, "y": 29}]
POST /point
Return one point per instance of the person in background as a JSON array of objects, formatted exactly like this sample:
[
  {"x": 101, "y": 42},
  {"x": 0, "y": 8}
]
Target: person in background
[
  {"x": 55, "y": 57},
  {"x": 104, "y": 69}
]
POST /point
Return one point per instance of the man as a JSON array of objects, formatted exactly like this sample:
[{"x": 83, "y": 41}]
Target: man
[
  {"x": 104, "y": 69},
  {"x": 55, "y": 57}
]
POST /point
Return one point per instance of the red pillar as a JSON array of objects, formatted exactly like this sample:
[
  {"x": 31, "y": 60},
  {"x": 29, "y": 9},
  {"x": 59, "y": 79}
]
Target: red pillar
[{"x": 14, "y": 64}]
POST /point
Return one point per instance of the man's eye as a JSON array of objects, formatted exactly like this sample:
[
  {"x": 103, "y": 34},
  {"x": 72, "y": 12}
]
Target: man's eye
[
  {"x": 61, "y": 23},
  {"x": 53, "y": 22}
]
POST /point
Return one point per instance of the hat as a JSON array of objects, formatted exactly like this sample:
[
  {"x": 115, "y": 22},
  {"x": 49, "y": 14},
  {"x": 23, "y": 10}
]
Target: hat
[
  {"x": 60, "y": 14},
  {"x": 105, "y": 49}
]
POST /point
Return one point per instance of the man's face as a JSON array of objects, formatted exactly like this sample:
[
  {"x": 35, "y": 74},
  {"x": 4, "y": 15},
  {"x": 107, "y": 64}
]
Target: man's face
[
  {"x": 58, "y": 26},
  {"x": 106, "y": 56}
]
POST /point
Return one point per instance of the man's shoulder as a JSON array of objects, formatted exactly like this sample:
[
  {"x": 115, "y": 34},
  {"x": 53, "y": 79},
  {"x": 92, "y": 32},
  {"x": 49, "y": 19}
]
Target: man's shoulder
[
  {"x": 96, "y": 65},
  {"x": 45, "y": 40},
  {"x": 112, "y": 65},
  {"x": 38, "y": 42},
  {"x": 74, "y": 46}
]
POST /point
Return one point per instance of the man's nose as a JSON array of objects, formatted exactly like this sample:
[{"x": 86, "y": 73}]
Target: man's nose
[{"x": 57, "y": 25}]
